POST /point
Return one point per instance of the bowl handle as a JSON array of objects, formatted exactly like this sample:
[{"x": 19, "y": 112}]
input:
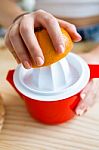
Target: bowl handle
[
  {"x": 94, "y": 71},
  {"x": 9, "y": 78}
]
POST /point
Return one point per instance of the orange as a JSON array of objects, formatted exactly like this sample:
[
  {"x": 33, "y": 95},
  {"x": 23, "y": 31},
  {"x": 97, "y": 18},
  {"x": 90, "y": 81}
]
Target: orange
[{"x": 50, "y": 55}]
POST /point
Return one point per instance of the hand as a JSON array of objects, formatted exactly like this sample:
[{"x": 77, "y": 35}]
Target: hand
[
  {"x": 87, "y": 97},
  {"x": 21, "y": 40},
  {"x": 89, "y": 93}
]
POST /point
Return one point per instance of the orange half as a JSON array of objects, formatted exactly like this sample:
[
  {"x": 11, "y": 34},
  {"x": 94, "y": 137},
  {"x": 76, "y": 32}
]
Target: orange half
[{"x": 50, "y": 55}]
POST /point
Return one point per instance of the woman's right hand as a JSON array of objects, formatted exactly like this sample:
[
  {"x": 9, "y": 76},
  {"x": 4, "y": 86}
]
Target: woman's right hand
[{"x": 21, "y": 40}]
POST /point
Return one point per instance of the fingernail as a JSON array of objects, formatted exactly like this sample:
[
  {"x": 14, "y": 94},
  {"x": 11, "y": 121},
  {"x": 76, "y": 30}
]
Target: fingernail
[
  {"x": 39, "y": 61},
  {"x": 26, "y": 64},
  {"x": 82, "y": 95},
  {"x": 78, "y": 37},
  {"x": 77, "y": 34},
  {"x": 61, "y": 49},
  {"x": 80, "y": 112},
  {"x": 81, "y": 109}
]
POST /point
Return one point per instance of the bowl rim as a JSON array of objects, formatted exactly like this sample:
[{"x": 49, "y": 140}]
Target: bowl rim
[{"x": 66, "y": 93}]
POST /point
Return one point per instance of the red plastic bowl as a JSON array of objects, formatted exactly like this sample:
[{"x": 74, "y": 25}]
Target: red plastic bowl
[{"x": 52, "y": 112}]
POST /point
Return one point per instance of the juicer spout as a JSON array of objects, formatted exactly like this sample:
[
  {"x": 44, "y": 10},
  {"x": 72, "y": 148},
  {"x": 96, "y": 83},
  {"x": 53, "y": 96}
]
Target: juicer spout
[{"x": 9, "y": 78}]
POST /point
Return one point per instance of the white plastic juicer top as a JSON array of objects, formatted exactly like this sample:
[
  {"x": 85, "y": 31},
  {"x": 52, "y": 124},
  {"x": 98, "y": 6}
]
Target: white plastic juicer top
[{"x": 57, "y": 81}]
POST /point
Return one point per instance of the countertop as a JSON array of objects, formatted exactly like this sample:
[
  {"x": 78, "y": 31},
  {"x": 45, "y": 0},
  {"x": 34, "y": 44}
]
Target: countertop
[{"x": 21, "y": 132}]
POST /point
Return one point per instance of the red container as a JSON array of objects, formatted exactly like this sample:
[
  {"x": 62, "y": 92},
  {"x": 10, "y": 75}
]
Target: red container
[
  {"x": 54, "y": 111},
  {"x": 49, "y": 112}
]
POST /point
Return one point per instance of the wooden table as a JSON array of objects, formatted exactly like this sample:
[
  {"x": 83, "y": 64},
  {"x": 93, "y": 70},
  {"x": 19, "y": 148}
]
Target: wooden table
[{"x": 21, "y": 132}]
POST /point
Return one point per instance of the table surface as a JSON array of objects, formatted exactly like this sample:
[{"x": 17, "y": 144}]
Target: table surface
[{"x": 21, "y": 132}]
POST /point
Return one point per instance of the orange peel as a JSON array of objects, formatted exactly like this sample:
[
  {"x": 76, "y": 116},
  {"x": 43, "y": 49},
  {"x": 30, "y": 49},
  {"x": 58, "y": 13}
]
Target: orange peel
[{"x": 50, "y": 55}]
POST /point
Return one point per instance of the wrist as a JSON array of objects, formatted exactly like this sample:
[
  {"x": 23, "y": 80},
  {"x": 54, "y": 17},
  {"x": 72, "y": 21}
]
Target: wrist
[{"x": 7, "y": 19}]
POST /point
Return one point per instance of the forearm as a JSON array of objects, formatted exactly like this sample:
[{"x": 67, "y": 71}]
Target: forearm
[{"x": 8, "y": 11}]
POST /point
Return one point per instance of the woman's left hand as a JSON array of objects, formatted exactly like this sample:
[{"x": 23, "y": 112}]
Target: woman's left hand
[
  {"x": 89, "y": 93},
  {"x": 87, "y": 97}
]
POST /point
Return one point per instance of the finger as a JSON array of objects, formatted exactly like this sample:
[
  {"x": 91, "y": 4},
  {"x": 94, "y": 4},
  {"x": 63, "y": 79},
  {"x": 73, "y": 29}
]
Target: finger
[
  {"x": 81, "y": 108},
  {"x": 86, "y": 90},
  {"x": 90, "y": 92},
  {"x": 91, "y": 87},
  {"x": 52, "y": 26},
  {"x": 19, "y": 46},
  {"x": 84, "y": 104},
  {"x": 10, "y": 47},
  {"x": 27, "y": 33},
  {"x": 71, "y": 29},
  {"x": 88, "y": 96}
]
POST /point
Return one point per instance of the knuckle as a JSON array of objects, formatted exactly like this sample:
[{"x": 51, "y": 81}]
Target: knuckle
[
  {"x": 40, "y": 11},
  {"x": 47, "y": 17},
  {"x": 24, "y": 17},
  {"x": 73, "y": 26},
  {"x": 50, "y": 19}
]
